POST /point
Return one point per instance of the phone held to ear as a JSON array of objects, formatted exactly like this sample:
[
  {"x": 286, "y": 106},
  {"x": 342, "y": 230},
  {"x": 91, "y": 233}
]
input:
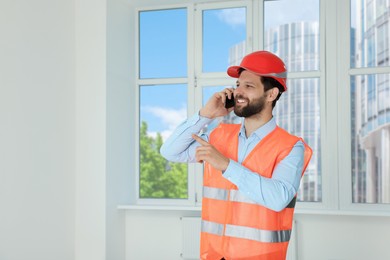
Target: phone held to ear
[{"x": 229, "y": 102}]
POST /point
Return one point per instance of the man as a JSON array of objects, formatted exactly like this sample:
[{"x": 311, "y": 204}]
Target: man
[{"x": 252, "y": 171}]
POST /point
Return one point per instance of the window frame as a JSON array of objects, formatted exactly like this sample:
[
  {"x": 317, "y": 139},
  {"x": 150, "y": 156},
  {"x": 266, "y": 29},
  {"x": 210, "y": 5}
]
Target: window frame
[
  {"x": 344, "y": 118},
  {"x": 163, "y": 81}
]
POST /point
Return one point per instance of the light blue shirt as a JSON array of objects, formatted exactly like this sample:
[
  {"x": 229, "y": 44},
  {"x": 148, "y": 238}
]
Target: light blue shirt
[{"x": 274, "y": 193}]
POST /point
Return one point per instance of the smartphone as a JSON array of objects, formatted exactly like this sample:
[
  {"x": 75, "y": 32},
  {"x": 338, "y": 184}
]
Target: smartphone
[{"x": 229, "y": 102}]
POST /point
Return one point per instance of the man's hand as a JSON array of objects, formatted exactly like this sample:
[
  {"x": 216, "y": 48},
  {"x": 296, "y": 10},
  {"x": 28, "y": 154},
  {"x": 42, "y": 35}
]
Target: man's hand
[
  {"x": 215, "y": 106},
  {"x": 206, "y": 152}
]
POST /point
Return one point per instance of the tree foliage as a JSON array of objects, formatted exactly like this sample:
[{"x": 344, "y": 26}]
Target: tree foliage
[{"x": 159, "y": 178}]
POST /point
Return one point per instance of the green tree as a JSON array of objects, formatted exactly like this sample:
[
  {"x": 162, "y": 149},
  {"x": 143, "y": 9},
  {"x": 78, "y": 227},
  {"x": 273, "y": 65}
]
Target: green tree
[{"x": 159, "y": 178}]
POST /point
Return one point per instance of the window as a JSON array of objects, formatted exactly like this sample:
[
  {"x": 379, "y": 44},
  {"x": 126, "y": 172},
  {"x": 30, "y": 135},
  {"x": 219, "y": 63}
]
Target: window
[
  {"x": 295, "y": 38},
  {"x": 298, "y": 111},
  {"x": 224, "y": 32},
  {"x": 161, "y": 112},
  {"x": 224, "y": 40},
  {"x": 163, "y": 43},
  {"x": 172, "y": 77},
  {"x": 338, "y": 97},
  {"x": 162, "y": 101},
  {"x": 370, "y": 102}
]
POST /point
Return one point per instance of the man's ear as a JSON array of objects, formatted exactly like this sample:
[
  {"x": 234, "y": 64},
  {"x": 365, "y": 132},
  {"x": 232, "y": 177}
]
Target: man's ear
[{"x": 272, "y": 94}]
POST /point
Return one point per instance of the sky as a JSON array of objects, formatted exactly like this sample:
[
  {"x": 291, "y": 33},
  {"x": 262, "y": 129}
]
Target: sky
[{"x": 163, "y": 52}]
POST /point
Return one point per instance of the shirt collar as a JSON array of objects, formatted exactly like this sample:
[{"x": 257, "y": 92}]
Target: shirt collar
[{"x": 262, "y": 131}]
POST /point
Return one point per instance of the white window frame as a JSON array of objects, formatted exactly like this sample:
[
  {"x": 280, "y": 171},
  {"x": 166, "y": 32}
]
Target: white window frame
[
  {"x": 344, "y": 118},
  {"x": 161, "y": 81}
]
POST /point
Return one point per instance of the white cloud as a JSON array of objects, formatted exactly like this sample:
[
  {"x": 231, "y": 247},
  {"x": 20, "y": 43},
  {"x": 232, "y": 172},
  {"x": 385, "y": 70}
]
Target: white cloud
[
  {"x": 232, "y": 16},
  {"x": 170, "y": 118},
  {"x": 164, "y": 134}
]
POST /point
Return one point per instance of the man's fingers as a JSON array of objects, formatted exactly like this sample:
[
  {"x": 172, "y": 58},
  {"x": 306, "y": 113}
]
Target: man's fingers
[
  {"x": 198, "y": 155},
  {"x": 229, "y": 92},
  {"x": 199, "y": 140}
]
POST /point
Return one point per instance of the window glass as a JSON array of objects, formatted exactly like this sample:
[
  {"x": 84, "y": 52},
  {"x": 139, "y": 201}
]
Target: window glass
[
  {"x": 370, "y": 33},
  {"x": 370, "y": 131},
  {"x": 298, "y": 112},
  {"x": 163, "y": 43},
  {"x": 291, "y": 31},
  {"x": 162, "y": 109},
  {"x": 224, "y": 34}
]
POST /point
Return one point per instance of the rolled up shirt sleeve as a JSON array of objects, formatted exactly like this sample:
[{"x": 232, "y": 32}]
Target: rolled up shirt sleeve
[{"x": 276, "y": 192}]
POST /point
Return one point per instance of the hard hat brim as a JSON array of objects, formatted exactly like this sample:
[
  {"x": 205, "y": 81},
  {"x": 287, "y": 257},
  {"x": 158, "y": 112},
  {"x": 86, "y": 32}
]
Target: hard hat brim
[{"x": 234, "y": 72}]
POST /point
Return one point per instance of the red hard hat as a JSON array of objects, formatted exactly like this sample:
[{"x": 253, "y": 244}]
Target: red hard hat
[{"x": 262, "y": 63}]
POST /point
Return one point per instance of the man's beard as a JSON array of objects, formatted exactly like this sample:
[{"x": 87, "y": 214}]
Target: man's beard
[{"x": 253, "y": 107}]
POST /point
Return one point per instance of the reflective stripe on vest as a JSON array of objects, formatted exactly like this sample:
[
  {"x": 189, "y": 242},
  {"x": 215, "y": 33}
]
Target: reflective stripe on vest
[
  {"x": 235, "y": 195},
  {"x": 260, "y": 235}
]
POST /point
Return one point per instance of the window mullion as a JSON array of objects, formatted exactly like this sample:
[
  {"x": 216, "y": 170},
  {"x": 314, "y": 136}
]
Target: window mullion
[
  {"x": 344, "y": 104},
  {"x": 329, "y": 115}
]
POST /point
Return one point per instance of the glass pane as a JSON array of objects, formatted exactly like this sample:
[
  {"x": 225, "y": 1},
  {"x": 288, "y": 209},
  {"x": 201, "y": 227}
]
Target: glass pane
[
  {"x": 231, "y": 118},
  {"x": 291, "y": 31},
  {"x": 163, "y": 43},
  {"x": 370, "y": 33},
  {"x": 370, "y": 131},
  {"x": 162, "y": 109},
  {"x": 298, "y": 112},
  {"x": 224, "y": 34}
]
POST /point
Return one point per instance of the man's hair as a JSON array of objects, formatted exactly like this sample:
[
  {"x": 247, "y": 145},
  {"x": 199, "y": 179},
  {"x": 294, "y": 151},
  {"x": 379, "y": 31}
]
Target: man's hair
[{"x": 270, "y": 83}]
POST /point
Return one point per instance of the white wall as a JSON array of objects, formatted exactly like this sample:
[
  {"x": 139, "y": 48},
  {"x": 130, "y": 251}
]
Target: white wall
[
  {"x": 120, "y": 124},
  {"x": 319, "y": 237},
  {"x": 64, "y": 120},
  {"x": 103, "y": 112},
  {"x": 153, "y": 235},
  {"x": 332, "y": 237},
  {"x": 37, "y": 130},
  {"x": 90, "y": 21}
]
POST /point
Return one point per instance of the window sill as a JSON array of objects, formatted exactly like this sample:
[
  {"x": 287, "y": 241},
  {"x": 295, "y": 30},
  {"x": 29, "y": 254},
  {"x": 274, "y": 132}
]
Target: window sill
[
  {"x": 194, "y": 209},
  {"x": 159, "y": 208},
  {"x": 357, "y": 213}
]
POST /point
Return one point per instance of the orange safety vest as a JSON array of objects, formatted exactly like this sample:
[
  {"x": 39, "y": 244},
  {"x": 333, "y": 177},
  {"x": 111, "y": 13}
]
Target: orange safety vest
[{"x": 234, "y": 226}]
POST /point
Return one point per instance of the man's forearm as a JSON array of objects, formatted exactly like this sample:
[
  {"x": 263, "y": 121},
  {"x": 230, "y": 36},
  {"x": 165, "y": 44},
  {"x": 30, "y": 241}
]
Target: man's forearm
[
  {"x": 276, "y": 192},
  {"x": 180, "y": 146}
]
